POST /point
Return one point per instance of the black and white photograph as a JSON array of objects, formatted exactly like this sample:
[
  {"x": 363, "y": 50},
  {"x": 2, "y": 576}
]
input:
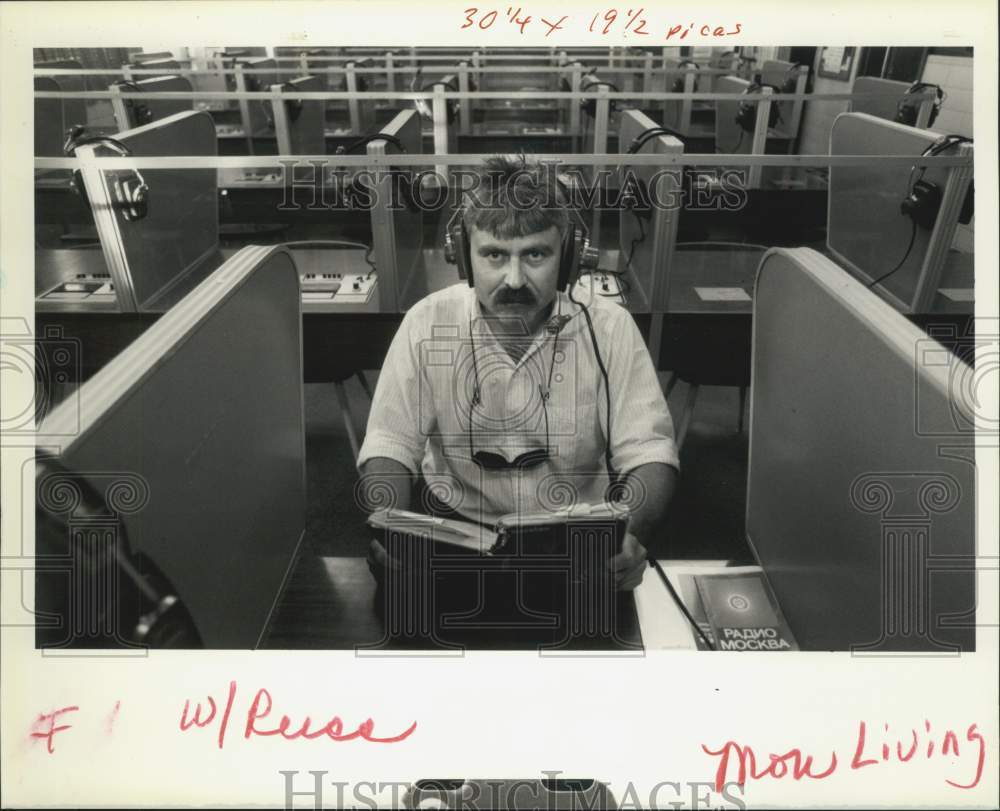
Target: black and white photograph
[{"x": 368, "y": 405}]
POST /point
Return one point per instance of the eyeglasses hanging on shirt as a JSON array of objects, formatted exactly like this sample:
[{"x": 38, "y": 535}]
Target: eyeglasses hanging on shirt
[{"x": 487, "y": 460}]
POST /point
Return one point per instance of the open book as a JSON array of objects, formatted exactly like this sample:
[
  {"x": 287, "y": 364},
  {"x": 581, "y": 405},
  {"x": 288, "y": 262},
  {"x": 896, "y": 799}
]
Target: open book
[{"x": 514, "y": 534}]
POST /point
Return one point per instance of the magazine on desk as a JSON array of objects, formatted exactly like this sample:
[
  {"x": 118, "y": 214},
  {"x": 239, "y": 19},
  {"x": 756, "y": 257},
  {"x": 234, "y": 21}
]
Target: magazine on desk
[{"x": 737, "y": 612}]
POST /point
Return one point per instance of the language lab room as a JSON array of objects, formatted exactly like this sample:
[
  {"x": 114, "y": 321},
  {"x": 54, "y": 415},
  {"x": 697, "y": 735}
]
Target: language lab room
[{"x": 576, "y": 348}]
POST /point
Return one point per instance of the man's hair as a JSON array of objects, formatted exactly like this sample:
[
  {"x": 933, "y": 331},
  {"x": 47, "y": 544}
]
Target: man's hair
[{"x": 515, "y": 197}]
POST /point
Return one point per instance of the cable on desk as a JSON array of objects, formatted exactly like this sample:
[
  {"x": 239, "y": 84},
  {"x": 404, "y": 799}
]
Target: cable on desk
[
  {"x": 673, "y": 593},
  {"x": 334, "y": 243}
]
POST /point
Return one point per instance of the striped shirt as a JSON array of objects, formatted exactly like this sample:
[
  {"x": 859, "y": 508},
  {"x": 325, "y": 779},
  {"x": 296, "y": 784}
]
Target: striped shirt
[{"x": 425, "y": 417}]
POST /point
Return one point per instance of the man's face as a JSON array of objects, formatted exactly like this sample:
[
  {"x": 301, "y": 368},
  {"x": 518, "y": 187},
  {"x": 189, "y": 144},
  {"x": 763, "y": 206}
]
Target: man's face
[{"x": 516, "y": 278}]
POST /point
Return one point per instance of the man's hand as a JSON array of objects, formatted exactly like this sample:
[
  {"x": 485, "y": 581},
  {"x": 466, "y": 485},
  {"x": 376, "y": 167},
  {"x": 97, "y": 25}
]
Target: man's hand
[{"x": 629, "y": 565}]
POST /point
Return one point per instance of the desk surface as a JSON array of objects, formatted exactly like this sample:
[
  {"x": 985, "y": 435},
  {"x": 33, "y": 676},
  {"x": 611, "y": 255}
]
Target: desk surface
[
  {"x": 330, "y": 603},
  {"x": 708, "y": 280}
]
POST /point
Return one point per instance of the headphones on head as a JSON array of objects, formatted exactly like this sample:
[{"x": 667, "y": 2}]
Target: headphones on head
[
  {"x": 131, "y": 194},
  {"x": 576, "y": 255},
  {"x": 746, "y": 115},
  {"x": 907, "y": 111},
  {"x": 923, "y": 199},
  {"x": 678, "y": 86},
  {"x": 139, "y": 114}
]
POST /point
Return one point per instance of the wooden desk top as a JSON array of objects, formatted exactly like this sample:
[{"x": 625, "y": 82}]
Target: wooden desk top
[{"x": 330, "y": 603}]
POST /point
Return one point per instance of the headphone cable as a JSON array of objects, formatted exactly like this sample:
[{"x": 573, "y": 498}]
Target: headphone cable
[
  {"x": 680, "y": 604},
  {"x": 607, "y": 386}
]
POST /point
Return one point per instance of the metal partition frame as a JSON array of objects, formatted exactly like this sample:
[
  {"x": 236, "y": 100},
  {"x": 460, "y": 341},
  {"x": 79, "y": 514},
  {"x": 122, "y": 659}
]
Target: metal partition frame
[
  {"x": 677, "y": 112},
  {"x": 883, "y": 106},
  {"x": 777, "y": 72},
  {"x": 867, "y": 232},
  {"x": 147, "y": 258},
  {"x": 649, "y": 275},
  {"x": 732, "y": 134},
  {"x": 207, "y": 435},
  {"x": 865, "y": 529}
]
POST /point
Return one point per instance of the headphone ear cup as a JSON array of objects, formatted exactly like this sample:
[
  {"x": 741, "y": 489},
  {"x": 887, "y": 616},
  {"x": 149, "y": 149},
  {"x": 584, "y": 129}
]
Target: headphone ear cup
[
  {"x": 923, "y": 204},
  {"x": 906, "y": 114},
  {"x": 457, "y": 250},
  {"x": 132, "y": 195},
  {"x": 569, "y": 259}
]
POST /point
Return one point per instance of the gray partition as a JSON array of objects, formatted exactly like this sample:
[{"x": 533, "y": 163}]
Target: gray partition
[
  {"x": 397, "y": 229},
  {"x": 861, "y": 495},
  {"x": 162, "y": 108},
  {"x": 207, "y": 434},
  {"x": 256, "y": 113},
  {"x": 299, "y": 123},
  {"x": 654, "y": 233},
  {"x": 152, "y": 259},
  {"x": 881, "y": 106},
  {"x": 867, "y": 232},
  {"x": 168, "y": 65},
  {"x": 53, "y": 117}
]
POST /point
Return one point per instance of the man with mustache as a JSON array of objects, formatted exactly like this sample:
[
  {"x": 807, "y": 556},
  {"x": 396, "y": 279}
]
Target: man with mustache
[{"x": 503, "y": 394}]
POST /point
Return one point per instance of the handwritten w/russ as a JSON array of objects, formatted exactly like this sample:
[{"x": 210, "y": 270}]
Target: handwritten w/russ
[{"x": 260, "y": 709}]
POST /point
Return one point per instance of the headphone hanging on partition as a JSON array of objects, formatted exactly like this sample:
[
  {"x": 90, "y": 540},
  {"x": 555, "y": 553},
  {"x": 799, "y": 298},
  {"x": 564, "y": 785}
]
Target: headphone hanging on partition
[
  {"x": 451, "y": 108},
  {"x": 746, "y": 115},
  {"x": 589, "y": 106},
  {"x": 923, "y": 198},
  {"x": 907, "y": 111},
  {"x": 635, "y": 194},
  {"x": 576, "y": 254},
  {"x": 293, "y": 107},
  {"x": 473, "y": 85},
  {"x": 131, "y": 194},
  {"x": 678, "y": 85},
  {"x": 402, "y": 179},
  {"x": 138, "y": 113}
]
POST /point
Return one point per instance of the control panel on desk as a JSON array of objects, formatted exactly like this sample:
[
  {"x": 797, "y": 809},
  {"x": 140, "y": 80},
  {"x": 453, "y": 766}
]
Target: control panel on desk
[
  {"x": 82, "y": 287},
  {"x": 249, "y": 177},
  {"x": 606, "y": 285},
  {"x": 338, "y": 288}
]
